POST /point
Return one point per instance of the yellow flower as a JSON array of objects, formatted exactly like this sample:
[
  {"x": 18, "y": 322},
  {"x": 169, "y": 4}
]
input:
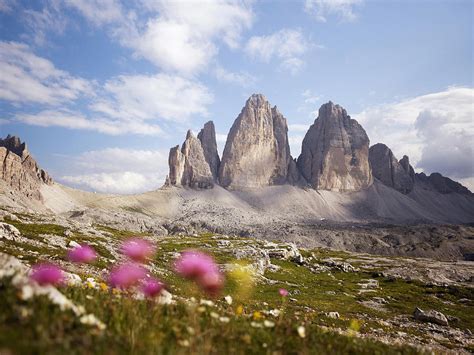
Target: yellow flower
[
  {"x": 90, "y": 284},
  {"x": 257, "y": 315},
  {"x": 103, "y": 286},
  {"x": 239, "y": 310}
]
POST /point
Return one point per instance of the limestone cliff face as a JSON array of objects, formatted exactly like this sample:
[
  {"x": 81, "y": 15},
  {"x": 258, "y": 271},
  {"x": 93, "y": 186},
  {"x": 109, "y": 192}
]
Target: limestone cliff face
[
  {"x": 19, "y": 169},
  {"x": 188, "y": 166},
  {"x": 335, "y": 152},
  {"x": 197, "y": 173},
  {"x": 391, "y": 172},
  {"x": 207, "y": 136},
  {"x": 257, "y": 152}
]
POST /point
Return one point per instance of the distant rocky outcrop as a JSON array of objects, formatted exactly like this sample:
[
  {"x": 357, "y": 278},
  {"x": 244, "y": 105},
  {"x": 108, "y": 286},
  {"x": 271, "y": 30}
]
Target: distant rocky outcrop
[
  {"x": 439, "y": 183},
  {"x": 188, "y": 166},
  {"x": 391, "y": 172},
  {"x": 257, "y": 152},
  {"x": 207, "y": 136},
  {"x": 335, "y": 152},
  {"x": 19, "y": 169},
  {"x": 335, "y": 155}
]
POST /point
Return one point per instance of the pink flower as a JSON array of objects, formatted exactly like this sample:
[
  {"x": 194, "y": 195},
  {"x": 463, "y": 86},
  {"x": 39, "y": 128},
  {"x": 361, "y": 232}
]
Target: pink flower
[
  {"x": 126, "y": 275},
  {"x": 47, "y": 274},
  {"x": 200, "y": 267},
  {"x": 283, "y": 292},
  {"x": 211, "y": 283},
  {"x": 152, "y": 287},
  {"x": 82, "y": 254},
  {"x": 195, "y": 264},
  {"x": 137, "y": 249}
]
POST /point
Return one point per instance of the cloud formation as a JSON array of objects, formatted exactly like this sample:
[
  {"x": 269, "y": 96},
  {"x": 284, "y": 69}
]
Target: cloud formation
[
  {"x": 435, "y": 130},
  {"x": 123, "y": 104},
  {"x": 116, "y": 170},
  {"x": 322, "y": 9},
  {"x": 28, "y": 78},
  {"x": 286, "y": 45}
]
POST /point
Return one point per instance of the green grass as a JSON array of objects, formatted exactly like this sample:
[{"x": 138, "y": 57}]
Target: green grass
[
  {"x": 137, "y": 326},
  {"x": 143, "y": 327}
]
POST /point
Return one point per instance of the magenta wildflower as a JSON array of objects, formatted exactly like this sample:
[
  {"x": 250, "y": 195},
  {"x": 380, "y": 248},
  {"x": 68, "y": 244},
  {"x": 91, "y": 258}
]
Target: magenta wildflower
[
  {"x": 126, "y": 275},
  {"x": 152, "y": 287},
  {"x": 82, "y": 254},
  {"x": 137, "y": 249},
  {"x": 195, "y": 264},
  {"x": 47, "y": 274},
  {"x": 200, "y": 267},
  {"x": 283, "y": 292}
]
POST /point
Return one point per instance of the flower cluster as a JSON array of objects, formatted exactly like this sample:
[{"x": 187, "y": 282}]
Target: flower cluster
[{"x": 201, "y": 268}]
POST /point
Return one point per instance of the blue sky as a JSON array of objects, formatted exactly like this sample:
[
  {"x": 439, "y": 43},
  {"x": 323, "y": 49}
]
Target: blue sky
[{"x": 101, "y": 89}]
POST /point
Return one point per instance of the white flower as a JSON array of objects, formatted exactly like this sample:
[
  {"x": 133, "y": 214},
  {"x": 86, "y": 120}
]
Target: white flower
[
  {"x": 256, "y": 324},
  {"x": 90, "y": 319},
  {"x": 301, "y": 331},
  {"x": 228, "y": 299},
  {"x": 224, "y": 319},
  {"x": 275, "y": 312},
  {"x": 214, "y": 315},
  {"x": 268, "y": 323},
  {"x": 207, "y": 303}
]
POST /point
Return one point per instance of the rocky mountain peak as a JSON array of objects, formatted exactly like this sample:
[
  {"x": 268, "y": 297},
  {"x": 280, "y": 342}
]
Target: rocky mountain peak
[
  {"x": 391, "y": 172},
  {"x": 335, "y": 151},
  {"x": 207, "y": 136},
  {"x": 257, "y": 152},
  {"x": 19, "y": 170},
  {"x": 14, "y": 145}
]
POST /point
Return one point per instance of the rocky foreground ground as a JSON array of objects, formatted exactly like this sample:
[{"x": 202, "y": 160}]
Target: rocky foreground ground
[{"x": 338, "y": 302}]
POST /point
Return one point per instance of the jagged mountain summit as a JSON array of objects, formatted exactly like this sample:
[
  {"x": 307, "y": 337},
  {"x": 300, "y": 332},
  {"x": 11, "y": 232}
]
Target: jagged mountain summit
[
  {"x": 335, "y": 152},
  {"x": 257, "y": 152},
  {"x": 335, "y": 156},
  {"x": 391, "y": 172},
  {"x": 19, "y": 169}
]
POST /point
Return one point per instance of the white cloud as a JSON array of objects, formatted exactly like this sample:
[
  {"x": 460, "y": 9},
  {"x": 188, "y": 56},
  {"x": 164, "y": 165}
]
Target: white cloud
[
  {"x": 26, "y": 78},
  {"x": 181, "y": 35},
  {"x": 287, "y": 45},
  {"x": 116, "y": 170},
  {"x": 49, "y": 19},
  {"x": 311, "y": 98},
  {"x": 7, "y": 5},
  {"x": 99, "y": 12},
  {"x": 127, "y": 182},
  {"x": 241, "y": 78},
  {"x": 321, "y": 9},
  {"x": 120, "y": 106},
  {"x": 75, "y": 120},
  {"x": 149, "y": 97},
  {"x": 435, "y": 130}
]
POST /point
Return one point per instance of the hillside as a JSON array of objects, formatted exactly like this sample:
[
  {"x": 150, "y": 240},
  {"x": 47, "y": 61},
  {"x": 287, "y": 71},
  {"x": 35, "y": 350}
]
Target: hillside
[{"x": 337, "y": 302}]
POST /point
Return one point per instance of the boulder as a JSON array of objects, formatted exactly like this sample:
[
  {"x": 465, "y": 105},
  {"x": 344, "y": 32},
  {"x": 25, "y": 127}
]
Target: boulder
[
  {"x": 430, "y": 316},
  {"x": 335, "y": 152},
  {"x": 257, "y": 152},
  {"x": 207, "y": 136},
  {"x": 387, "y": 169}
]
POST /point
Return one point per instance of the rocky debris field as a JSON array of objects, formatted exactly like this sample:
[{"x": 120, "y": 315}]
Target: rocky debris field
[{"x": 337, "y": 301}]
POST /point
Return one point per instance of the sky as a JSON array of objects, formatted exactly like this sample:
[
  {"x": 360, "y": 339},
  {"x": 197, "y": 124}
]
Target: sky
[{"x": 101, "y": 89}]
